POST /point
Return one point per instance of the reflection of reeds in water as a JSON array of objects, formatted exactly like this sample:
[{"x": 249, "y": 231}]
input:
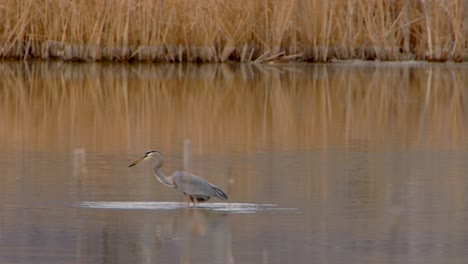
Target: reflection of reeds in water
[
  {"x": 239, "y": 108},
  {"x": 242, "y": 30},
  {"x": 132, "y": 107}
]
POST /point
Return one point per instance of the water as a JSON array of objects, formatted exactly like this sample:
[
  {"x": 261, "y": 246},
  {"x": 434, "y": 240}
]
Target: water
[{"x": 348, "y": 163}]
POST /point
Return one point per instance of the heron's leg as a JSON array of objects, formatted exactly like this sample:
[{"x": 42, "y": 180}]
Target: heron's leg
[
  {"x": 189, "y": 199},
  {"x": 193, "y": 199}
]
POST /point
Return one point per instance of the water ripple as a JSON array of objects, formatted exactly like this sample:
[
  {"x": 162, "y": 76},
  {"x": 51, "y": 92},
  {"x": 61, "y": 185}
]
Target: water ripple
[{"x": 224, "y": 207}]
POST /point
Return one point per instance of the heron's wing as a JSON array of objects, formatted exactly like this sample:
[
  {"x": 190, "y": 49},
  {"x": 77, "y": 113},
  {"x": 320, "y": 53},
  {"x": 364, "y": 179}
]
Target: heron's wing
[{"x": 193, "y": 185}]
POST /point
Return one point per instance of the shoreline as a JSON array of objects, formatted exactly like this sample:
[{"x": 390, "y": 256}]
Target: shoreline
[{"x": 192, "y": 54}]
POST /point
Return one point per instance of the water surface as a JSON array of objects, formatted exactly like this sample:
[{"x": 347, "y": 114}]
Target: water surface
[{"x": 344, "y": 163}]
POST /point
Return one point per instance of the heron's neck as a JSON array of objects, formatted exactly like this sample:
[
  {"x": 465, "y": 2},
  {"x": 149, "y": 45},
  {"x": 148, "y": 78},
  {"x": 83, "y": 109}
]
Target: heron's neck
[{"x": 160, "y": 176}]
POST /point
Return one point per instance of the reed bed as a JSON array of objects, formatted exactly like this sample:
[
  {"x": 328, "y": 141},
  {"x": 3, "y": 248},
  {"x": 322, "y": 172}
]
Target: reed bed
[{"x": 241, "y": 30}]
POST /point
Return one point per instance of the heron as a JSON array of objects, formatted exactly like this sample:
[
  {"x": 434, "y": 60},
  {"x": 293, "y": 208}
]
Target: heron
[{"x": 195, "y": 188}]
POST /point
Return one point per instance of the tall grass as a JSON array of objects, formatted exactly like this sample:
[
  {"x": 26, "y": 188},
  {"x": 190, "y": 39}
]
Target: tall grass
[{"x": 240, "y": 30}]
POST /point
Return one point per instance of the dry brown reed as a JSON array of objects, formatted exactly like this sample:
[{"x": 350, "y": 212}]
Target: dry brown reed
[{"x": 241, "y": 30}]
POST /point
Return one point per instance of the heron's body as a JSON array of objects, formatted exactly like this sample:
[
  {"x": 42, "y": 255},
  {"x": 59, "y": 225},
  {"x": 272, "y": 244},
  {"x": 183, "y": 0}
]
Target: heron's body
[{"x": 195, "y": 188}]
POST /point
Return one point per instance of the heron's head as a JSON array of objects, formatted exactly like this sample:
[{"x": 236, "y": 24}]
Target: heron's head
[{"x": 149, "y": 154}]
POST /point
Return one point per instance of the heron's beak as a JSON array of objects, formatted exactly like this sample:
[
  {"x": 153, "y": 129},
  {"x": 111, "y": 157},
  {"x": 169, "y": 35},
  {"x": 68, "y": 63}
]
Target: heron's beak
[{"x": 137, "y": 161}]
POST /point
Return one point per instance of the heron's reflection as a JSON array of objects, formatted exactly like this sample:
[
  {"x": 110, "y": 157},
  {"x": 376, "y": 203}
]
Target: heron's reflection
[{"x": 150, "y": 237}]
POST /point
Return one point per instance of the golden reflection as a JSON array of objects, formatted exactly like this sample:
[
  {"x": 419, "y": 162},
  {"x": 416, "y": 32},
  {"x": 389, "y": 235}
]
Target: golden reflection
[
  {"x": 233, "y": 108},
  {"x": 105, "y": 108},
  {"x": 109, "y": 107}
]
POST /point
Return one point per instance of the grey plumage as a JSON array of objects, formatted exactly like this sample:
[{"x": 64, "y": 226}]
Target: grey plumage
[{"x": 195, "y": 188}]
